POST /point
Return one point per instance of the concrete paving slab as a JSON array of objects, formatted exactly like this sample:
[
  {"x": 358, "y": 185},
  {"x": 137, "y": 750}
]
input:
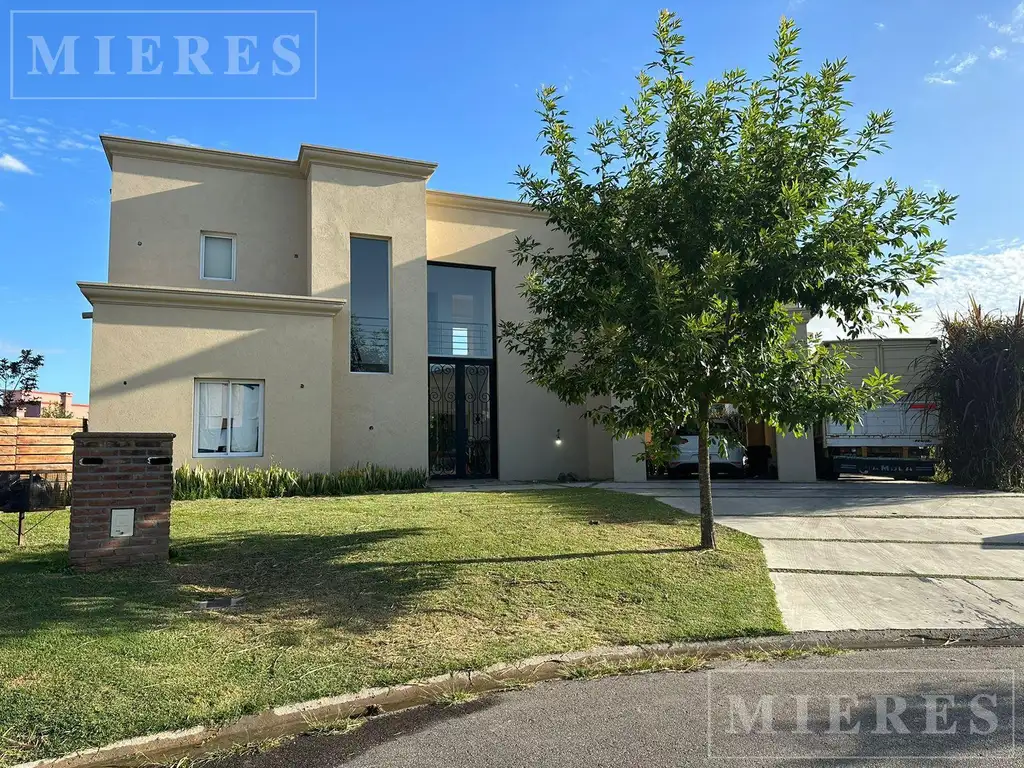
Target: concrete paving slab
[
  {"x": 897, "y": 558},
  {"x": 847, "y": 555},
  {"x": 812, "y": 601},
  {"x": 990, "y": 532}
]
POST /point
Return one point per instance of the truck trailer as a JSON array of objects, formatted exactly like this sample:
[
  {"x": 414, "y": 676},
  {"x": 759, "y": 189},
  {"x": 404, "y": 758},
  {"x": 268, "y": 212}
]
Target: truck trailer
[{"x": 898, "y": 440}]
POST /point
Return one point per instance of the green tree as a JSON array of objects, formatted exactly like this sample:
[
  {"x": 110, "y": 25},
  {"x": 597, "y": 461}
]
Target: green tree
[
  {"x": 18, "y": 375},
  {"x": 709, "y": 224},
  {"x": 56, "y": 411}
]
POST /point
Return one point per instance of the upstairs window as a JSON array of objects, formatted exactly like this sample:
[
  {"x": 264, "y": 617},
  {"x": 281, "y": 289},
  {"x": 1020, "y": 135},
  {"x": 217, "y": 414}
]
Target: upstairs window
[
  {"x": 217, "y": 257},
  {"x": 370, "y": 305}
]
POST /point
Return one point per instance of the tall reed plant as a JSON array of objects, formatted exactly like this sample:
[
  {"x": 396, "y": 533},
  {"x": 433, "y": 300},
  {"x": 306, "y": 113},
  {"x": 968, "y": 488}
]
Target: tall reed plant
[{"x": 976, "y": 378}]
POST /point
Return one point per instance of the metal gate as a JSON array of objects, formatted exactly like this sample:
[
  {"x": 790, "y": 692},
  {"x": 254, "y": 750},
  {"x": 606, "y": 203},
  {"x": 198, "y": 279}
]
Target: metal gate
[{"x": 462, "y": 411}]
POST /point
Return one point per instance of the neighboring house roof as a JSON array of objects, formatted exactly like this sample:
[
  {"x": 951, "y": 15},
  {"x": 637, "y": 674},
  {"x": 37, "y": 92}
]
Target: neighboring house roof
[{"x": 35, "y": 396}]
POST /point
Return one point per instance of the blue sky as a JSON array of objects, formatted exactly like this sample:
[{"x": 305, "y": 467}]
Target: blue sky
[{"x": 454, "y": 83}]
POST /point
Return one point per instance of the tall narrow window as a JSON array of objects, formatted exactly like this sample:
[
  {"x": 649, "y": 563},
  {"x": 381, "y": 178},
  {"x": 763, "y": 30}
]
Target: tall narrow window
[
  {"x": 370, "y": 305},
  {"x": 228, "y": 418},
  {"x": 217, "y": 257}
]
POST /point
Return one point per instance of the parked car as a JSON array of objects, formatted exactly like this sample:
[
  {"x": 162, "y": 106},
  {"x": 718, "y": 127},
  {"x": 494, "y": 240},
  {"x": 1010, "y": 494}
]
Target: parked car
[{"x": 732, "y": 462}]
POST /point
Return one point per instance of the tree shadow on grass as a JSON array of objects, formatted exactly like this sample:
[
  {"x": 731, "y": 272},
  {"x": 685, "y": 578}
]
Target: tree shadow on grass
[
  {"x": 309, "y": 577},
  {"x": 287, "y": 575}
]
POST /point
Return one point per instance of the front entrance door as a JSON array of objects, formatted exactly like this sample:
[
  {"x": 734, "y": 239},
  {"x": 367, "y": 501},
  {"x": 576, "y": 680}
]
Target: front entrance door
[{"x": 462, "y": 409}]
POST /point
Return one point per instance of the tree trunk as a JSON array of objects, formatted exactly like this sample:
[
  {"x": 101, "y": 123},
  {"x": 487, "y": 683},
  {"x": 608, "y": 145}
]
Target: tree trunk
[{"x": 707, "y": 514}]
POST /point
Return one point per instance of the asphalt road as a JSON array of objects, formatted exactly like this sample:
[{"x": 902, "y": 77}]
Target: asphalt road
[{"x": 710, "y": 718}]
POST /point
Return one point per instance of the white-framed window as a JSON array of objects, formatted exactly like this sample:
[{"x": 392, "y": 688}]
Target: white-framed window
[
  {"x": 216, "y": 256},
  {"x": 228, "y": 418}
]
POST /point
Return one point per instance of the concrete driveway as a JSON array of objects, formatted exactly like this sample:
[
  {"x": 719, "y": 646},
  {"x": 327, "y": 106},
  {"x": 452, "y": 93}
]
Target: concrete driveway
[{"x": 861, "y": 554}]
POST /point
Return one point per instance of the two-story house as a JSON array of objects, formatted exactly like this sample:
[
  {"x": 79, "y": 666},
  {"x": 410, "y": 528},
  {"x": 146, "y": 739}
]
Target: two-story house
[{"x": 322, "y": 312}]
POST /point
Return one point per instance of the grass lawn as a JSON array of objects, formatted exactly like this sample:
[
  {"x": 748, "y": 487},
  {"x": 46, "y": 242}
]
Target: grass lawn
[{"x": 347, "y": 593}]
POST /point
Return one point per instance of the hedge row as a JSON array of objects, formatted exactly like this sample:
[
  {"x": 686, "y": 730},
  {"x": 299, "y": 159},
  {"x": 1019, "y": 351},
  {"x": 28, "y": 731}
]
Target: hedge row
[{"x": 192, "y": 482}]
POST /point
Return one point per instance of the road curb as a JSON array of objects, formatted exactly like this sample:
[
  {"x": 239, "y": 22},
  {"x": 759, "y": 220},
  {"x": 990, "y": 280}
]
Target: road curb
[{"x": 293, "y": 719}]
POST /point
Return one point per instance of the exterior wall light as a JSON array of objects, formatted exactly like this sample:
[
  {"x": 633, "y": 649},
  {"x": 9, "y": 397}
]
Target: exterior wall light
[{"x": 558, "y": 437}]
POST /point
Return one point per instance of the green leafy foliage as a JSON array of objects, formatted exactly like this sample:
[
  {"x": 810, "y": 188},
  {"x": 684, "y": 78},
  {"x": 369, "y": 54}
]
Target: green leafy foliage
[
  {"x": 56, "y": 411},
  {"x": 976, "y": 379},
  {"x": 711, "y": 223},
  {"x": 194, "y": 482},
  {"x": 18, "y": 375}
]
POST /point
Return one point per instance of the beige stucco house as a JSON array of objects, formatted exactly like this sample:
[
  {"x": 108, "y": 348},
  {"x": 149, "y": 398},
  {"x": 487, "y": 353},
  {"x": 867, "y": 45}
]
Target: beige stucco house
[{"x": 323, "y": 312}]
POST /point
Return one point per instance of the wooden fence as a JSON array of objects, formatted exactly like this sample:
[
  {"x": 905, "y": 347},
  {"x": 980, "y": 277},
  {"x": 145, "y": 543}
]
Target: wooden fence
[{"x": 37, "y": 445}]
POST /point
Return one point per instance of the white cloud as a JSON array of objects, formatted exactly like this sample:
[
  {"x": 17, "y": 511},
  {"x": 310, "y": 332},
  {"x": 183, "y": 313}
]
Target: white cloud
[
  {"x": 945, "y": 76},
  {"x": 880, "y": 25},
  {"x": 966, "y": 63},
  {"x": 2, "y": 206},
  {"x": 25, "y": 137},
  {"x": 11, "y": 163},
  {"x": 995, "y": 280},
  {"x": 997, "y": 53},
  {"x": 1011, "y": 28},
  {"x": 182, "y": 141},
  {"x": 70, "y": 143}
]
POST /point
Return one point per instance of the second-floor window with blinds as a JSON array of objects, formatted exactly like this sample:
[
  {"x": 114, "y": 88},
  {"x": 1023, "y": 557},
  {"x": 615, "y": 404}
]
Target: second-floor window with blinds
[
  {"x": 217, "y": 257},
  {"x": 370, "y": 305}
]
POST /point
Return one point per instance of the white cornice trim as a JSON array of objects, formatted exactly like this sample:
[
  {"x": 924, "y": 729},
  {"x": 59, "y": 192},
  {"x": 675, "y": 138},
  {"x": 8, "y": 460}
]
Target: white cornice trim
[
  {"x": 201, "y": 298},
  {"x": 485, "y": 204},
  {"x": 309, "y": 154},
  {"x": 116, "y": 146}
]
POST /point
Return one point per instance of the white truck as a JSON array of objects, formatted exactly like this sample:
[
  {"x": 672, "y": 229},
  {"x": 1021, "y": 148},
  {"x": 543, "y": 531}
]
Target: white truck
[{"x": 897, "y": 440}]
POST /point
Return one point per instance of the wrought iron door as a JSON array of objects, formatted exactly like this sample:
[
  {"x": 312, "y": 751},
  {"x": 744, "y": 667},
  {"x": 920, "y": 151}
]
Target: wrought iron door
[{"x": 462, "y": 414}]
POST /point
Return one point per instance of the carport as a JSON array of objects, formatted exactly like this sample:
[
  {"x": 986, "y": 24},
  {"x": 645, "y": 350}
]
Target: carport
[{"x": 795, "y": 457}]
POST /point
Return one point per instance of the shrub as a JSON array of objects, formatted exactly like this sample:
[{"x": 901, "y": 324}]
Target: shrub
[
  {"x": 976, "y": 378},
  {"x": 191, "y": 482},
  {"x": 56, "y": 411}
]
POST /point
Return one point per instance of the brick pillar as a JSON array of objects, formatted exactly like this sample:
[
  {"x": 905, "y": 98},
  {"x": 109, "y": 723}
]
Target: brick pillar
[{"x": 120, "y": 499}]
